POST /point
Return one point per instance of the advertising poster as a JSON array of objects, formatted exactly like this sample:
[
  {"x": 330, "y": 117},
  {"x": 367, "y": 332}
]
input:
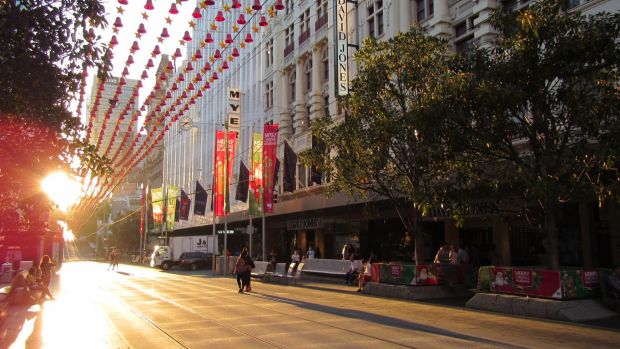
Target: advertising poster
[
  {"x": 256, "y": 175},
  {"x": 157, "y": 196},
  {"x": 218, "y": 176},
  {"x": 173, "y": 194},
  {"x": 270, "y": 144}
]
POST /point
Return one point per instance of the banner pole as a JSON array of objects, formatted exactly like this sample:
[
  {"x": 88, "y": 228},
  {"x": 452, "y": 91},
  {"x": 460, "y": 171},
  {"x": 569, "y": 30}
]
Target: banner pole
[
  {"x": 251, "y": 231},
  {"x": 264, "y": 238},
  {"x": 214, "y": 240}
]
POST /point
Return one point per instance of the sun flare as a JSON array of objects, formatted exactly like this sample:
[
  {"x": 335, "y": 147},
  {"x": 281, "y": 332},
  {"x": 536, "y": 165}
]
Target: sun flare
[{"x": 63, "y": 190}]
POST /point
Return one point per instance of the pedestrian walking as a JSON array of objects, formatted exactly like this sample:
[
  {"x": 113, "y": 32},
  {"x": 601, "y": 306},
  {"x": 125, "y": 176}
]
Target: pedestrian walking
[
  {"x": 116, "y": 258},
  {"x": 241, "y": 267},
  {"x": 46, "y": 266},
  {"x": 247, "y": 277}
]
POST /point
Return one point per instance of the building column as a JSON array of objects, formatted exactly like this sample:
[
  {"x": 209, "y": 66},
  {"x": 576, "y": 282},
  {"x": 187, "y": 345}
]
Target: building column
[
  {"x": 316, "y": 101},
  {"x": 404, "y": 9},
  {"x": 451, "y": 232},
  {"x": 281, "y": 91},
  {"x": 300, "y": 121},
  {"x": 501, "y": 239},
  {"x": 485, "y": 33},
  {"x": 441, "y": 22}
]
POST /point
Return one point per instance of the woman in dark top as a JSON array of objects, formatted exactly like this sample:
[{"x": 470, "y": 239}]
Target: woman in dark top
[{"x": 46, "y": 267}]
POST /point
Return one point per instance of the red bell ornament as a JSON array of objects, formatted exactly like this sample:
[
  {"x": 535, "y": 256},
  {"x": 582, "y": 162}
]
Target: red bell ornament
[
  {"x": 130, "y": 60},
  {"x": 214, "y": 76},
  {"x": 141, "y": 29},
  {"x": 263, "y": 21},
  {"x": 113, "y": 41},
  {"x": 118, "y": 23},
  {"x": 186, "y": 36},
  {"x": 217, "y": 54},
  {"x": 125, "y": 72},
  {"x": 135, "y": 46},
  {"x": 173, "y": 9},
  {"x": 209, "y": 38},
  {"x": 181, "y": 78},
  {"x": 235, "y": 52},
  {"x": 199, "y": 93},
  {"x": 248, "y": 38},
  {"x": 145, "y": 75},
  {"x": 198, "y": 54},
  {"x": 219, "y": 17},
  {"x": 123, "y": 2},
  {"x": 257, "y": 6},
  {"x": 156, "y": 51},
  {"x": 149, "y": 5},
  {"x": 236, "y": 4},
  {"x": 190, "y": 87},
  {"x": 164, "y": 33},
  {"x": 189, "y": 67},
  {"x": 206, "y": 67},
  {"x": 225, "y": 65},
  {"x": 198, "y": 77},
  {"x": 229, "y": 39},
  {"x": 279, "y": 6},
  {"x": 241, "y": 19},
  {"x": 196, "y": 14},
  {"x": 209, "y": 2},
  {"x": 149, "y": 64},
  {"x": 184, "y": 94},
  {"x": 177, "y": 53},
  {"x": 169, "y": 66}
]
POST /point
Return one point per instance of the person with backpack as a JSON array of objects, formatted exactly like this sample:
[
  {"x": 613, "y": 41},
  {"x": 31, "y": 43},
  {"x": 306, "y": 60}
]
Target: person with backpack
[{"x": 248, "y": 274}]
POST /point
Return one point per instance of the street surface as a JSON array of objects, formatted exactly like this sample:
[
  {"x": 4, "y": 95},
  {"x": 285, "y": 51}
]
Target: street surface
[{"x": 140, "y": 307}]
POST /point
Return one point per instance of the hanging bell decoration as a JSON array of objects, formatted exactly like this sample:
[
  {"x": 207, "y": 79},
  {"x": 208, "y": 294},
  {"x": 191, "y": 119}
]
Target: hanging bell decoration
[
  {"x": 118, "y": 23},
  {"x": 156, "y": 50},
  {"x": 123, "y": 2},
  {"x": 149, "y": 5},
  {"x": 229, "y": 39},
  {"x": 257, "y": 6},
  {"x": 130, "y": 60},
  {"x": 225, "y": 65},
  {"x": 184, "y": 94},
  {"x": 209, "y": 38},
  {"x": 241, "y": 19},
  {"x": 248, "y": 38},
  {"x": 125, "y": 72},
  {"x": 164, "y": 33},
  {"x": 190, "y": 87},
  {"x": 196, "y": 14},
  {"x": 219, "y": 17},
  {"x": 168, "y": 95},
  {"x": 141, "y": 29},
  {"x": 189, "y": 67},
  {"x": 135, "y": 46},
  {"x": 217, "y": 54},
  {"x": 186, "y": 36},
  {"x": 236, "y": 4},
  {"x": 209, "y": 2},
  {"x": 113, "y": 41},
  {"x": 169, "y": 66},
  {"x": 198, "y": 77},
  {"x": 177, "y": 53},
  {"x": 206, "y": 67},
  {"x": 279, "y": 6},
  {"x": 174, "y": 87},
  {"x": 214, "y": 76},
  {"x": 149, "y": 64},
  {"x": 181, "y": 78},
  {"x": 145, "y": 75},
  {"x": 263, "y": 21},
  {"x": 173, "y": 9},
  {"x": 207, "y": 85},
  {"x": 198, "y": 54},
  {"x": 199, "y": 93},
  {"x": 235, "y": 52}
]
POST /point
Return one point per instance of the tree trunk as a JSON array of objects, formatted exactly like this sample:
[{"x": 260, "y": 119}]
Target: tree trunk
[
  {"x": 552, "y": 236},
  {"x": 419, "y": 247}
]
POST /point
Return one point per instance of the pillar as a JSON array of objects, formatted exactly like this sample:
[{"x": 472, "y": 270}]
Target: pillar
[
  {"x": 440, "y": 22},
  {"x": 281, "y": 103},
  {"x": 404, "y": 9},
  {"x": 300, "y": 121},
  {"x": 501, "y": 239},
  {"x": 316, "y": 107}
]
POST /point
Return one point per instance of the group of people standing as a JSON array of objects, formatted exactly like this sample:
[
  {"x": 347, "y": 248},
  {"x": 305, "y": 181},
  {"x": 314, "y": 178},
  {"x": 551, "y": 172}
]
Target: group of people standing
[
  {"x": 243, "y": 271},
  {"x": 37, "y": 279}
]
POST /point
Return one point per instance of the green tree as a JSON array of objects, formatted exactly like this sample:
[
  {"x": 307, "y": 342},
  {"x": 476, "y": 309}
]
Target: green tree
[
  {"x": 393, "y": 143},
  {"x": 541, "y": 110},
  {"x": 126, "y": 231},
  {"x": 46, "y": 45}
]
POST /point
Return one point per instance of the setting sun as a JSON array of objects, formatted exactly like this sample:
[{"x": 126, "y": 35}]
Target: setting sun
[{"x": 61, "y": 189}]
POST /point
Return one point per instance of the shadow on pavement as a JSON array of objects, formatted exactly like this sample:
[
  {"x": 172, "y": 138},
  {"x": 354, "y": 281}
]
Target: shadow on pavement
[
  {"x": 384, "y": 320},
  {"x": 20, "y": 316}
]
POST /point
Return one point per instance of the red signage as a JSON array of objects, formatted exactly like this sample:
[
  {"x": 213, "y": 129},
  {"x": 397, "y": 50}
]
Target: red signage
[
  {"x": 522, "y": 277},
  {"x": 270, "y": 144},
  {"x": 219, "y": 173},
  {"x": 395, "y": 270},
  {"x": 590, "y": 278}
]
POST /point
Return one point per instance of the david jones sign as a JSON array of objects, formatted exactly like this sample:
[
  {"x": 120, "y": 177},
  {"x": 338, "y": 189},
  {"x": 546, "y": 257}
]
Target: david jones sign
[{"x": 342, "y": 48}]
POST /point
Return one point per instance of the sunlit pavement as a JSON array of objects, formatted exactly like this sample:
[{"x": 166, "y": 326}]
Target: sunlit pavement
[{"x": 146, "y": 308}]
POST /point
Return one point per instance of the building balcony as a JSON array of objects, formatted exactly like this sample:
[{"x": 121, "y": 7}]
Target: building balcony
[
  {"x": 320, "y": 22},
  {"x": 304, "y": 37},
  {"x": 289, "y": 49}
]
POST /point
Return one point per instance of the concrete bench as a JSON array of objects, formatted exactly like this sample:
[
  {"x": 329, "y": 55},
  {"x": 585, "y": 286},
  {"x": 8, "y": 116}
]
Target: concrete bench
[
  {"x": 260, "y": 269},
  {"x": 332, "y": 267},
  {"x": 280, "y": 269},
  {"x": 282, "y": 276}
]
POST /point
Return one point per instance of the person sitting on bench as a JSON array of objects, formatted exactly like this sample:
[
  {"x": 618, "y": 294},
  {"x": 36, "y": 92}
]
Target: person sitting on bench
[
  {"x": 352, "y": 272},
  {"x": 365, "y": 276}
]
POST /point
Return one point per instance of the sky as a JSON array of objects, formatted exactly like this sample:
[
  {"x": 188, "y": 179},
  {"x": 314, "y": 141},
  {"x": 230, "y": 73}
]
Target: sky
[{"x": 132, "y": 17}]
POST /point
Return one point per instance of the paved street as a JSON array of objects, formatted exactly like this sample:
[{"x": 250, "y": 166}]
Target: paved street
[{"x": 146, "y": 308}]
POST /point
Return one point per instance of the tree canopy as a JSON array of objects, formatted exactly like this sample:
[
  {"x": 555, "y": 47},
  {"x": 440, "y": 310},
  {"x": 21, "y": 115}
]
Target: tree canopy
[{"x": 46, "y": 47}]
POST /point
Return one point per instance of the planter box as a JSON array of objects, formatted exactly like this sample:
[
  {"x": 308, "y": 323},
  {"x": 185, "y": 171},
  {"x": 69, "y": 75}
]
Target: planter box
[
  {"x": 560, "y": 284},
  {"x": 418, "y": 275}
]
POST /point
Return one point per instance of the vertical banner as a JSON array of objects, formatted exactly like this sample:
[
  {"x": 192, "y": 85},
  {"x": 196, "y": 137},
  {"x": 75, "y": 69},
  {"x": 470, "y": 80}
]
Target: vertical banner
[
  {"x": 157, "y": 196},
  {"x": 173, "y": 193},
  {"x": 242, "y": 183},
  {"x": 342, "y": 48},
  {"x": 256, "y": 175},
  {"x": 142, "y": 210},
  {"x": 218, "y": 176},
  {"x": 200, "y": 201},
  {"x": 270, "y": 144},
  {"x": 232, "y": 142},
  {"x": 186, "y": 202}
]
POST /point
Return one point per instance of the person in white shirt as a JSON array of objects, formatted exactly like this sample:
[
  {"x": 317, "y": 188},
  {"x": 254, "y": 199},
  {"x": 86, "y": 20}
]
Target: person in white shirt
[
  {"x": 352, "y": 272},
  {"x": 365, "y": 276},
  {"x": 310, "y": 253}
]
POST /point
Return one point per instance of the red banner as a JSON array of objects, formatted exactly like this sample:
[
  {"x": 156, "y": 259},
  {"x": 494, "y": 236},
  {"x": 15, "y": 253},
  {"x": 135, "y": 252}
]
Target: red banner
[
  {"x": 219, "y": 170},
  {"x": 270, "y": 144},
  {"x": 232, "y": 140}
]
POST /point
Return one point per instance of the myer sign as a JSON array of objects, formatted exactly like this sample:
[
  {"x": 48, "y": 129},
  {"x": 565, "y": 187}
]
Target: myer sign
[
  {"x": 342, "y": 48},
  {"x": 234, "y": 109}
]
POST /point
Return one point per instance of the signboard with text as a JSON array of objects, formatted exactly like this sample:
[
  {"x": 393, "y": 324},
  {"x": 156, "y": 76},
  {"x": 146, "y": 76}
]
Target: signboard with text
[{"x": 342, "y": 48}]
